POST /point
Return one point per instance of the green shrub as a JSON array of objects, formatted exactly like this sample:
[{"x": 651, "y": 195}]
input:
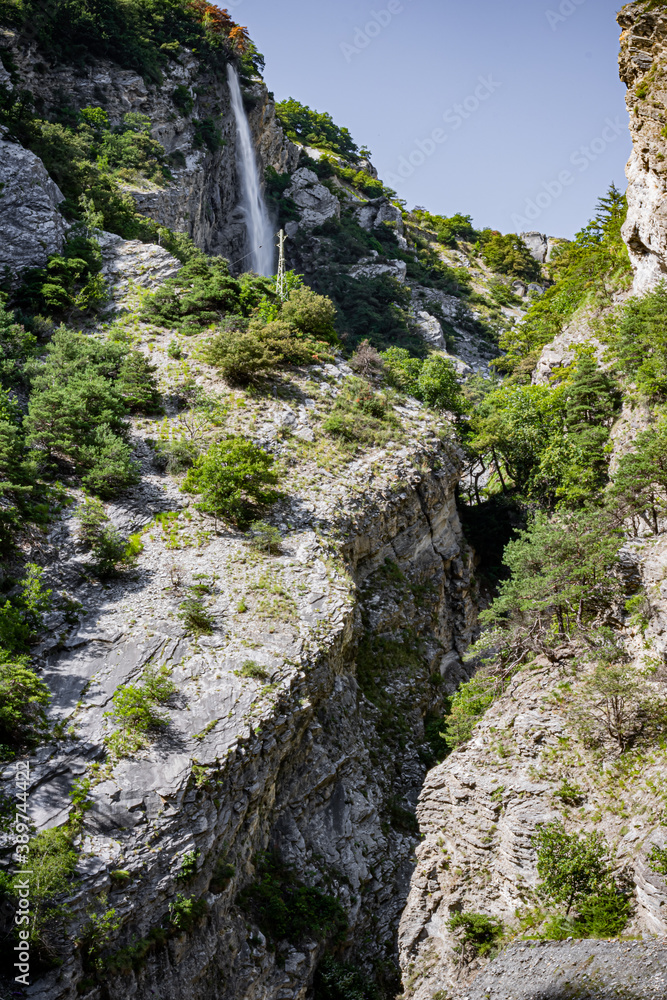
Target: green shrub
[
  {"x": 362, "y": 416},
  {"x": 137, "y": 383},
  {"x": 109, "y": 549},
  {"x": 21, "y": 614},
  {"x": 195, "y": 617},
  {"x": 207, "y": 134},
  {"x": 280, "y": 205},
  {"x": 70, "y": 284},
  {"x": 17, "y": 346},
  {"x": 222, "y": 875},
  {"x": 177, "y": 456},
  {"x": 339, "y": 981},
  {"x": 657, "y": 860},
  {"x": 590, "y": 269},
  {"x": 264, "y": 537},
  {"x": 23, "y": 697},
  {"x": 203, "y": 293},
  {"x": 135, "y": 711},
  {"x": 560, "y": 583},
  {"x": 448, "y": 230},
  {"x": 638, "y": 343},
  {"x": 185, "y": 912},
  {"x": 310, "y": 314},
  {"x": 313, "y": 128},
  {"x": 242, "y": 355},
  {"x": 478, "y": 934},
  {"x": 183, "y": 100},
  {"x": 188, "y": 868},
  {"x": 286, "y": 909},
  {"x": 51, "y": 862},
  {"x": 639, "y": 488},
  {"x": 432, "y": 380},
  {"x": 509, "y": 255},
  {"x": 255, "y": 671},
  {"x": 617, "y": 705},
  {"x": 467, "y": 707},
  {"x": 76, "y": 411},
  {"x": 233, "y": 478},
  {"x": 107, "y": 464},
  {"x": 572, "y": 866}
]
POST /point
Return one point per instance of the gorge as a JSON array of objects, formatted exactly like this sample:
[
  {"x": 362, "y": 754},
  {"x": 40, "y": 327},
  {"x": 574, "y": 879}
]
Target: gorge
[{"x": 318, "y": 612}]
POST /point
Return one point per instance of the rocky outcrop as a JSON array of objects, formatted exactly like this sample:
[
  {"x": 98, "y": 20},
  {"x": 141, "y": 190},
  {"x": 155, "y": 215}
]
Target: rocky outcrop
[
  {"x": 354, "y": 632},
  {"x": 31, "y": 226},
  {"x": 314, "y": 201},
  {"x": 129, "y": 263},
  {"x": 643, "y": 62},
  {"x": 479, "y": 810}
]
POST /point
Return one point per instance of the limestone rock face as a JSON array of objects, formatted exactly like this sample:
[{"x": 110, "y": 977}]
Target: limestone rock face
[
  {"x": 316, "y": 203},
  {"x": 300, "y": 760},
  {"x": 377, "y": 212},
  {"x": 31, "y": 226},
  {"x": 642, "y": 59},
  {"x": 479, "y": 810},
  {"x": 538, "y": 244},
  {"x": 129, "y": 262}
]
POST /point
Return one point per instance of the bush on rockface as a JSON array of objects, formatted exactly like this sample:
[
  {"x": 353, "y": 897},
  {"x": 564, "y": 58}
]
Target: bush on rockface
[
  {"x": 17, "y": 346},
  {"x": 233, "y": 479},
  {"x": 361, "y": 416},
  {"x": 203, "y": 294},
  {"x": 576, "y": 872},
  {"x": 509, "y": 255},
  {"x": 433, "y": 380},
  {"x": 478, "y": 935},
  {"x": 110, "y": 550},
  {"x": 586, "y": 271},
  {"x": 639, "y": 487},
  {"x": 76, "y": 411},
  {"x": 23, "y": 698},
  {"x": 314, "y": 128},
  {"x": 70, "y": 284},
  {"x": 285, "y": 908},
  {"x": 136, "y": 711},
  {"x": 341, "y": 981}
]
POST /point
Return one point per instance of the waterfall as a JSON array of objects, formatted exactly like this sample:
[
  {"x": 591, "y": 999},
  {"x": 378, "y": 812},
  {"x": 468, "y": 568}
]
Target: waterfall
[{"x": 260, "y": 230}]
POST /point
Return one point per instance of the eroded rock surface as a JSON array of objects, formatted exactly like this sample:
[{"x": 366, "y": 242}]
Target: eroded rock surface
[
  {"x": 642, "y": 64},
  {"x": 31, "y": 225}
]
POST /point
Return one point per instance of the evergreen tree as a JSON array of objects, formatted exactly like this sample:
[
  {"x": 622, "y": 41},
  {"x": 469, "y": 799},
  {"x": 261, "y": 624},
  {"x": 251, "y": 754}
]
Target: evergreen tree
[
  {"x": 639, "y": 489},
  {"x": 137, "y": 383}
]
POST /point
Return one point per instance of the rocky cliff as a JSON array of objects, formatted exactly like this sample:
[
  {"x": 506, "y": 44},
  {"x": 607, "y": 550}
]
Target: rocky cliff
[
  {"x": 353, "y": 635},
  {"x": 201, "y": 199},
  {"x": 642, "y": 65}
]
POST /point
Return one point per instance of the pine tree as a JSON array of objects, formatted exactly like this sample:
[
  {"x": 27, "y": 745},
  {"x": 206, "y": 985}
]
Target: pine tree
[{"x": 137, "y": 383}]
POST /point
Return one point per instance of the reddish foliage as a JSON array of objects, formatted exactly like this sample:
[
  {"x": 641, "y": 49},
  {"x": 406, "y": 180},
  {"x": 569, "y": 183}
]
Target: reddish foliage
[
  {"x": 239, "y": 37},
  {"x": 214, "y": 19}
]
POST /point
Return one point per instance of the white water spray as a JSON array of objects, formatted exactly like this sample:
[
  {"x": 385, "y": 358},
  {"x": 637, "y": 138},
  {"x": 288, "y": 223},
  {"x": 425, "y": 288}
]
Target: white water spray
[{"x": 260, "y": 230}]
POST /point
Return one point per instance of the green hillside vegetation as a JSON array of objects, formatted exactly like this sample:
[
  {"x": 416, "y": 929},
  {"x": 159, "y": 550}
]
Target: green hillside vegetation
[{"x": 141, "y": 35}]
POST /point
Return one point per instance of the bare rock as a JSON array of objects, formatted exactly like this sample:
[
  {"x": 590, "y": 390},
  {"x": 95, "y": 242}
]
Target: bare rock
[
  {"x": 645, "y": 231},
  {"x": 129, "y": 262},
  {"x": 31, "y": 226},
  {"x": 315, "y": 202}
]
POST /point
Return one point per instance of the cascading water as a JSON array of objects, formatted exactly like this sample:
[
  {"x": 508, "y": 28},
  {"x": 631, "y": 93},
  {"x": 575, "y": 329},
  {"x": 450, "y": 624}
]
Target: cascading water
[{"x": 260, "y": 231}]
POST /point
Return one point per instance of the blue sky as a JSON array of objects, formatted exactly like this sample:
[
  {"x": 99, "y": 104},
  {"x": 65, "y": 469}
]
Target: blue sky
[{"x": 507, "y": 110}]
